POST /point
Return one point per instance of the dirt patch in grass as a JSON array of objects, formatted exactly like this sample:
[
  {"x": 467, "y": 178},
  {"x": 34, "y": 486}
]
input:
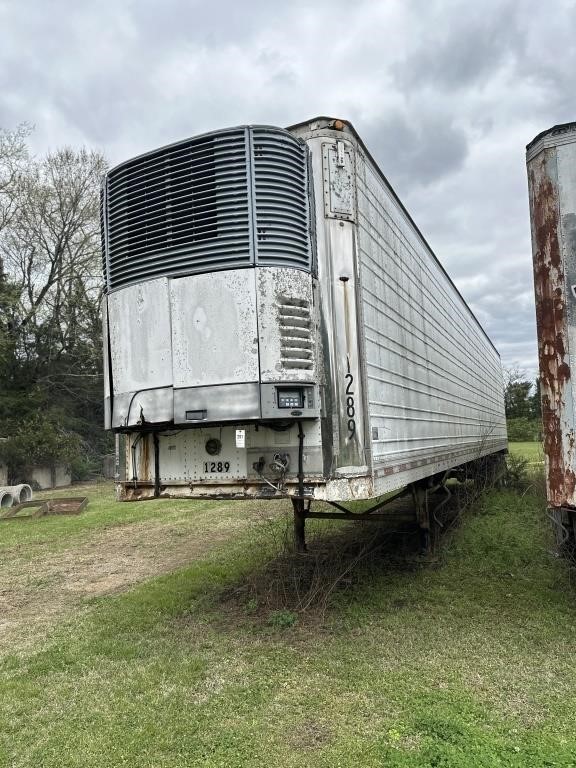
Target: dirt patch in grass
[
  {"x": 40, "y": 586},
  {"x": 310, "y": 734}
]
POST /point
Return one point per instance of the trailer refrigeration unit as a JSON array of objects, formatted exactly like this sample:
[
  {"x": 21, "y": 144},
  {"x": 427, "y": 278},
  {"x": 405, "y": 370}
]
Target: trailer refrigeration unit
[
  {"x": 551, "y": 162},
  {"x": 276, "y": 325}
]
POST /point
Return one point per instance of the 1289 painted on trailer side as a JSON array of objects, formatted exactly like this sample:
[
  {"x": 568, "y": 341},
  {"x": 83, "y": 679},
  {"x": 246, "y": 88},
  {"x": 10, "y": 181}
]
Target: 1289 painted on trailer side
[{"x": 277, "y": 325}]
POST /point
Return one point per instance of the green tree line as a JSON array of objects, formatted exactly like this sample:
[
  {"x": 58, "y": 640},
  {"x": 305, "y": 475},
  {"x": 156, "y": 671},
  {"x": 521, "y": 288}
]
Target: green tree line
[
  {"x": 522, "y": 403},
  {"x": 50, "y": 292}
]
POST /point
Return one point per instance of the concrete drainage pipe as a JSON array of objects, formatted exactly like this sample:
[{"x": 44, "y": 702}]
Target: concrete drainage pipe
[
  {"x": 6, "y": 498},
  {"x": 19, "y": 493}
]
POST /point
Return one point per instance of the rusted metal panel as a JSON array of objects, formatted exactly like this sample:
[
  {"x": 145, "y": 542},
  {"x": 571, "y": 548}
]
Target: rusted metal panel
[
  {"x": 551, "y": 161},
  {"x": 345, "y": 489}
]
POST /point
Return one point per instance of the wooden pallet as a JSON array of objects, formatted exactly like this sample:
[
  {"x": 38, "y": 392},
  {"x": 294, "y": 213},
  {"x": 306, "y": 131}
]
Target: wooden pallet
[{"x": 43, "y": 507}]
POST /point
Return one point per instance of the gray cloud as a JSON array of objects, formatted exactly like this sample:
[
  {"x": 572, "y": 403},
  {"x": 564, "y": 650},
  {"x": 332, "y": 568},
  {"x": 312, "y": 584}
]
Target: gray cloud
[
  {"x": 416, "y": 151},
  {"x": 445, "y": 94},
  {"x": 461, "y": 45}
]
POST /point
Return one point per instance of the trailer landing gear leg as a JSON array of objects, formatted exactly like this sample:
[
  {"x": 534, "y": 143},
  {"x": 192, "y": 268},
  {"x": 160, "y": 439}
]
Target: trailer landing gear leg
[
  {"x": 420, "y": 497},
  {"x": 299, "y": 524}
]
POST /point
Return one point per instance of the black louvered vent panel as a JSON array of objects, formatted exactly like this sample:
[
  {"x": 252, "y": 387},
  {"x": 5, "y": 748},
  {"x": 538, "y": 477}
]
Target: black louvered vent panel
[
  {"x": 281, "y": 199},
  {"x": 197, "y": 206},
  {"x": 180, "y": 210}
]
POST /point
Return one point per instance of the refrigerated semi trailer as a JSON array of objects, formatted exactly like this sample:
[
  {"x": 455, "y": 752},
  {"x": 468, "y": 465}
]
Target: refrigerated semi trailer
[
  {"x": 551, "y": 164},
  {"x": 276, "y": 325}
]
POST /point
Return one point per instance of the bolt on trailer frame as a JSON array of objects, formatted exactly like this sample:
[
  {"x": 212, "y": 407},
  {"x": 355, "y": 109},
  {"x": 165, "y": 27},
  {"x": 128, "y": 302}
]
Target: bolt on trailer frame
[
  {"x": 551, "y": 165},
  {"x": 276, "y": 325}
]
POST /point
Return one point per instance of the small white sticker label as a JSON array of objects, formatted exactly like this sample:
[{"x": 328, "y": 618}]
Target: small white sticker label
[{"x": 240, "y": 438}]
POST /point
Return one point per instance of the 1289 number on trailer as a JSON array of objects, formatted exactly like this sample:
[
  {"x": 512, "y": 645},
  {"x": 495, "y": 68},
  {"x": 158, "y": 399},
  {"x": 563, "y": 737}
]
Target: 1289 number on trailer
[
  {"x": 216, "y": 466},
  {"x": 350, "y": 405}
]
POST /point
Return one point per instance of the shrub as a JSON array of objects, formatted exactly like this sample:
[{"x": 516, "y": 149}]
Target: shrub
[
  {"x": 524, "y": 429},
  {"x": 282, "y": 619},
  {"x": 39, "y": 441}
]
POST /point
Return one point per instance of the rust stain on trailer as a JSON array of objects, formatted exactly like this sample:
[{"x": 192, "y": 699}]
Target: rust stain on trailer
[
  {"x": 571, "y": 445},
  {"x": 551, "y": 322},
  {"x": 144, "y": 459}
]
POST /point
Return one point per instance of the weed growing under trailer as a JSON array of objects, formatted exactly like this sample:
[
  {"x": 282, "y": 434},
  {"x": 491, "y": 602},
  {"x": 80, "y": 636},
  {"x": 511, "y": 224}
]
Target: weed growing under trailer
[
  {"x": 276, "y": 325},
  {"x": 551, "y": 162}
]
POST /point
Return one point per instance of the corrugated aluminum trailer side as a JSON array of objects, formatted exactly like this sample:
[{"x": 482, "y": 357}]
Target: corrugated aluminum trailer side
[
  {"x": 434, "y": 378},
  {"x": 551, "y": 165},
  {"x": 430, "y": 379}
]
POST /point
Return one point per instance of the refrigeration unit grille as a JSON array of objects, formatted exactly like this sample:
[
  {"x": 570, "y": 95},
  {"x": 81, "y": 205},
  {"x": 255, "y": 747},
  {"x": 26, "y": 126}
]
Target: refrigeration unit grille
[
  {"x": 179, "y": 210},
  {"x": 225, "y": 200},
  {"x": 281, "y": 200}
]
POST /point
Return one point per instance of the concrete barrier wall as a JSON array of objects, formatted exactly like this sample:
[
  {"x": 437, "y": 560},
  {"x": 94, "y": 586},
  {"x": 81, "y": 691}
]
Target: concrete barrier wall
[{"x": 46, "y": 477}]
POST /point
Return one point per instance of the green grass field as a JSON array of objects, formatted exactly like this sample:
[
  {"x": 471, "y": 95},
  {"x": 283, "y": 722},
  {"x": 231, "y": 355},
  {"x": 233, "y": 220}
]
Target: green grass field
[
  {"x": 533, "y": 452},
  {"x": 129, "y": 639}
]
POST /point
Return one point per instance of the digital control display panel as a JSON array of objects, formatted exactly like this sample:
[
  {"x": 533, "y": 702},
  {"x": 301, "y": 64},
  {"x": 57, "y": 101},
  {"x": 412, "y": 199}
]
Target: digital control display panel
[{"x": 290, "y": 398}]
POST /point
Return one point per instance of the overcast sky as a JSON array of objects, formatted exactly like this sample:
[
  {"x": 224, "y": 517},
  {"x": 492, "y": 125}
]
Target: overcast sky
[{"x": 445, "y": 93}]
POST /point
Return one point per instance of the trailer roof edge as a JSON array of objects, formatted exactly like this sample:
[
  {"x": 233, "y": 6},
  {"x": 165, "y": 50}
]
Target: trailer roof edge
[{"x": 354, "y": 132}]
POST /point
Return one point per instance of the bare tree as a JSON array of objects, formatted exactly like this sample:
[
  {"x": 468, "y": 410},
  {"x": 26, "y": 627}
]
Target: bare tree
[
  {"x": 50, "y": 288},
  {"x": 52, "y": 255},
  {"x": 13, "y": 161}
]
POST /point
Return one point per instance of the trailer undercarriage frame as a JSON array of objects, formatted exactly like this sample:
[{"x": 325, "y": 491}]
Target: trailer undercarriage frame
[{"x": 487, "y": 470}]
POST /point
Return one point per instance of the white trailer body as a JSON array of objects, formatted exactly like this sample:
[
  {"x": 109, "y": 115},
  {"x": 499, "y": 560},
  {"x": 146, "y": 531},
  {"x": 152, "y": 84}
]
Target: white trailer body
[
  {"x": 277, "y": 325},
  {"x": 551, "y": 162}
]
